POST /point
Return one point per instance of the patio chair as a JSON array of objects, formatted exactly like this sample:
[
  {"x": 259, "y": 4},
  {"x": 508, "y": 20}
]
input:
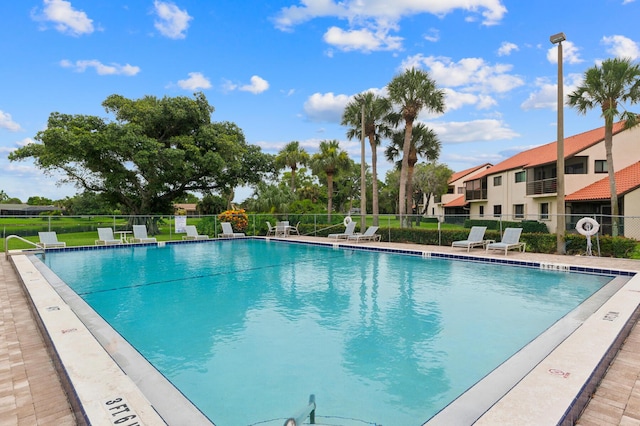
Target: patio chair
[
  {"x": 227, "y": 231},
  {"x": 271, "y": 230},
  {"x": 140, "y": 235},
  {"x": 192, "y": 234},
  {"x": 49, "y": 240},
  {"x": 510, "y": 241},
  {"x": 369, "y": 235},
  {"x": 475, "y": 238},
  {"x": 294, "y": 229},
  {"x": 106, "y": 238},
  {"x": 351, "y": 226}
]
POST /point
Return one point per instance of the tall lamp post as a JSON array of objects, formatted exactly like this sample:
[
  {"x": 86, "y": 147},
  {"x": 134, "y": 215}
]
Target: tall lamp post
[{"x": 561, "y": 221}]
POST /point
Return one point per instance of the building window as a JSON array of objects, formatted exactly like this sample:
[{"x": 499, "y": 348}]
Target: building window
[
  {"x": 481, "y": 211},
  {"x": 518, "y": 211},
  {"x": 600, "y": 166},
  {"x": 521, "y": 176},
  {"x": 461, "y": 190},
  {"x": 544, "y": 211},
  {"x": 497, "y": 181},
  {"x": 497, "y": 210}
]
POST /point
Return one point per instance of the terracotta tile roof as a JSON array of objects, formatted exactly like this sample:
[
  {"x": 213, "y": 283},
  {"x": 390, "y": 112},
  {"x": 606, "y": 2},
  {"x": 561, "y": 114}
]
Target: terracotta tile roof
[
  {"x": 463, "y": 173},
  {"x": 627, "y": 180},
  {"x": 548, "y": 153},
  {"x": 458, "y": 202}
]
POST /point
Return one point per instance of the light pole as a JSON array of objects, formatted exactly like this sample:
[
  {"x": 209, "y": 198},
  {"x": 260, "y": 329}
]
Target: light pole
[
  {"x": 363, "y": 175},
  {"x": 561, "y": 221}
]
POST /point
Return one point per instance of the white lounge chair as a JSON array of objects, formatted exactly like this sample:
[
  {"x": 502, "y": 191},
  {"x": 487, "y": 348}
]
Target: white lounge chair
[
  {"x": 140, "y": 235},
  {"x": 106, "y": 238},
  {"x": 475, "y": 238},
  {"x": 49, "y": 240},
  {"x": 294, "y": 229},
  {"x": 192, "y": 234},
  {"x": 510, "y": 241},
  {"x": 227, "y": 231},
  {"x": 351, "y": 226},
  {"x": 369, "y": 235}
]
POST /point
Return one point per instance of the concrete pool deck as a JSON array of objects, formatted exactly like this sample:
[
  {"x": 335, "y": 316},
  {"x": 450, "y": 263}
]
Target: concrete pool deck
[{"x": 38, "y": 398}]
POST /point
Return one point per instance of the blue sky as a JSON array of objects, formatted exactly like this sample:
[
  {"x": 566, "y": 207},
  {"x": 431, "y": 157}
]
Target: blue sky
[{"x": 284, "y": 70}]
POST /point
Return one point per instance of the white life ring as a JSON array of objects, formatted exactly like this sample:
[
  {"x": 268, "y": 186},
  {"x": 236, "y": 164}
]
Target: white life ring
[
  {"x": 347, "y": 220},
  {"x": 587, "y": 226}
]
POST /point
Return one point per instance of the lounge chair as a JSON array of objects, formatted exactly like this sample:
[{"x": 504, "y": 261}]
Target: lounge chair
[
  {"x": 510, "y": 241},
  {"x": 271, "y": 230},
  {"x": 369, "y": 235},
  {"x": 106, "y": 238},
  {"x": 351, "y": 226},
  {"x": 475, "y": 238},
  {"x": 227, "y": 231},
  {"x": 140, "y": 235},
  {"x": 192, "y": 234},
  {"x": 49, "y": 240}
]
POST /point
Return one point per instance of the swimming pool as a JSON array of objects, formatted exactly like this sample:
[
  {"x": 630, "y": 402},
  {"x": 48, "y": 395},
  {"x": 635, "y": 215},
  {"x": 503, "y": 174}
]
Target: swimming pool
[{"x": 376, "y": 336}]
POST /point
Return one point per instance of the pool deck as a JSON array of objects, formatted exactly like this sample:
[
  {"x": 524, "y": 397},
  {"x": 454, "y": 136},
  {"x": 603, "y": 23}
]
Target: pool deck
[{"x": 31, "y": 391}]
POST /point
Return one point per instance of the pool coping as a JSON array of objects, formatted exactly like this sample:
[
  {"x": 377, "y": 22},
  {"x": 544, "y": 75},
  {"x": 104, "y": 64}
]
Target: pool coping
[{"x": 574, "y": 395}]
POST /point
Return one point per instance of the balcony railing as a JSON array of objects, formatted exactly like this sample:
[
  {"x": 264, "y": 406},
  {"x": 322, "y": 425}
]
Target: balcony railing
[{"x": 544, "y": 186}]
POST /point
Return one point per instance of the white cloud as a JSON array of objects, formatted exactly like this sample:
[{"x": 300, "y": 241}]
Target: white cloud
[
  {"x": 195, "y": 81},
  {"x": 622, "y": 47},
  {"x": 6, "y": 122},
  {"x": 385, "y": 13},
  {"x": 506, "y": 48},
  {"x": 432, "y": 35},
  {"x": 570, "y": 53},
  {"x": 546, "y": 94},
  {"x": 365, "y": 40},
  {"x": 468, "y": 74},
  {"x": 65, "y": 18},
  {"x": 473, "y": 131},
  {"x": 101, "y": 69},
  {"x": 172, "y": 22},
  {"x": 325, "y": 107},
  {"x": 456, "y": 100},
  {"x": 257, "y": 85}
]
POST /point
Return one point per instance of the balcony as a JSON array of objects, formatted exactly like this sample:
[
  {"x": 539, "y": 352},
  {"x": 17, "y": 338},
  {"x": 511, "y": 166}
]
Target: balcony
[{"x": 539, "y": 187}]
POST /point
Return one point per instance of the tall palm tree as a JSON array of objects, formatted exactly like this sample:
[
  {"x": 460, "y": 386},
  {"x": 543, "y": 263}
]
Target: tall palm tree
[
  {"x": 376, "y": 111},
  {"x": 412, "y": 91},
  {"x": 291, "y": 156},
  {"x": 424, "y": 143},
  {"x": 329, "y": 161},
  {"x": 610, "y": 85}
]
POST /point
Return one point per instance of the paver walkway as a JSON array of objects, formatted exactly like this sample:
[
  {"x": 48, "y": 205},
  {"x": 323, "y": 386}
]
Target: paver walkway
[{"x": 31, "y": 392}]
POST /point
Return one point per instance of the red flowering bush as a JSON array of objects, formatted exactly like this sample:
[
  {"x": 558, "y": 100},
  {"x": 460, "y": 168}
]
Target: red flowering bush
[{"x": 238, "y": 219}]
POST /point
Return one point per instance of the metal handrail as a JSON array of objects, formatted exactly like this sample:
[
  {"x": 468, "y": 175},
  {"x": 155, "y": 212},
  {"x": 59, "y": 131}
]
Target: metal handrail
[
  {"x": 308, "y": 411},
  {"x": 6, "y": 244}
]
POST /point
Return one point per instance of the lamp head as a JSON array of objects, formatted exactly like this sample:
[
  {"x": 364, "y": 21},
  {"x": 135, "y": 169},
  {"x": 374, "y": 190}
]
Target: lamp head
[{"x": 557, "y": 38}]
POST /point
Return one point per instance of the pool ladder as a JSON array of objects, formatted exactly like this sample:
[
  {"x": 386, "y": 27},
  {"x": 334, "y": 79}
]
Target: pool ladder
[{"x": 308, "y": 411}]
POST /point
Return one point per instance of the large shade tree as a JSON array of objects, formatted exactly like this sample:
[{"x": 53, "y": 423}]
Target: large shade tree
[
  {"x": 291, "y": 156},
  {"x": 328, "y": 161},
  {"x": 153, "y": 152},
  {"x": 609, "y": 86},
  {"x": 412, "y": 92},
  {"x": 376, "y": 127}
]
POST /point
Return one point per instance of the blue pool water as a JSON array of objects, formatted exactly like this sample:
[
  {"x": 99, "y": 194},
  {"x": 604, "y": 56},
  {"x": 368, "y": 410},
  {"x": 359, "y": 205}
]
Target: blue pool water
[{"x": 248, "y": 329}]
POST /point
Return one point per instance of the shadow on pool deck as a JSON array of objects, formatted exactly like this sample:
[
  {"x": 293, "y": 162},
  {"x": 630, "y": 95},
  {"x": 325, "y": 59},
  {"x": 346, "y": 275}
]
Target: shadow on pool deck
[{"x": 30, "y": 392}]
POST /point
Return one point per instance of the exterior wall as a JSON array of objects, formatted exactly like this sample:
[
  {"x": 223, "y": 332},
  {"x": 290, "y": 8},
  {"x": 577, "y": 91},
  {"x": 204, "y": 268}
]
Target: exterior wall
[{"x": 632, "y": 210}]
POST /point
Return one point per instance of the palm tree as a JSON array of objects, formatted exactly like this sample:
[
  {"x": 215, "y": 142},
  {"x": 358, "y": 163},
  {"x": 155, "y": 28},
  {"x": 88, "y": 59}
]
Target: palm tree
[
  {"x": 424, "y": 143},
  {"x": 329, "y": 161},
  {"x": 290, "y": 156},
  {"x": 615, "y": 82},
  {"x": 412, "y": 91},
  {"x": 376, "y": 111}
]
